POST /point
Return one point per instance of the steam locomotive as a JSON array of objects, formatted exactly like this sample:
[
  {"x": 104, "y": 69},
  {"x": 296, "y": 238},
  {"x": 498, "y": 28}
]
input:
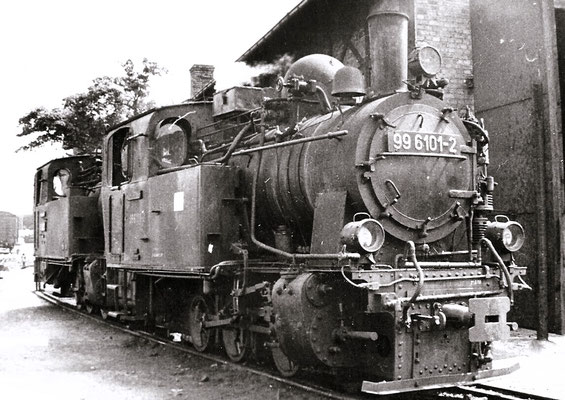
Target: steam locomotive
[{"x": 337, "y": 227}]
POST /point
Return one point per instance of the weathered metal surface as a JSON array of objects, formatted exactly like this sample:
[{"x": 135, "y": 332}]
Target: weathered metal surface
[
  {"x": 192, "y": 221},
  {"x": 348, "y": 82},
  {"x": 308, "y": 310},
  {"x": 237, "y": 99},
  {"x": 385, "y": 167},
  {"x": 388, "y": 39},
  {"x": 490, "y": 319},
  {"x": 329, "y": 219},
  {"x": 67, "y": 224},
  {"x": 159, "y": 218},
  {"x": 384, "y": 388}
]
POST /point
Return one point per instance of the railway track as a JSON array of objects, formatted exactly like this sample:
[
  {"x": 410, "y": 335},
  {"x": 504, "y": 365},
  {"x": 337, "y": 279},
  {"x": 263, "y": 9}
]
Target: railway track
[{"x": 313, "y": 384}]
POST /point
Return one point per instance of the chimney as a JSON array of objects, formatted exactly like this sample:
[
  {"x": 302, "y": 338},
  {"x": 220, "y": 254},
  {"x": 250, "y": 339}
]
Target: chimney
[
  {"x": 200, "y": 76},
  {"x": 388, "y": 41}
]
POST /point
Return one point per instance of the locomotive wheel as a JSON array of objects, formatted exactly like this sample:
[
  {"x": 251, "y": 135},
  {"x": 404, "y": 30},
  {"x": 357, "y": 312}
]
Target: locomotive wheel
[
  {"x": 104, "y": 314},
  {"x": 285, "y": 365},
  {"x": 237, "y": 343},
  {"x": 79, "y": 303},
  {"x": 90, "y": 308},
  {"x": 197, "y": 310},
  {"x": 79, "y": 294}
]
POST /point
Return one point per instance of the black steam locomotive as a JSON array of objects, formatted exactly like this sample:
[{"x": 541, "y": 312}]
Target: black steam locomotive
[{"x": 336, "y": 227}]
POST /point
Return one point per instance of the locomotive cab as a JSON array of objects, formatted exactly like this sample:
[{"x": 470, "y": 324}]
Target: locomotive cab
[
  {"x": 66, "y": 218},
  {"x": 166, "y": 213}
]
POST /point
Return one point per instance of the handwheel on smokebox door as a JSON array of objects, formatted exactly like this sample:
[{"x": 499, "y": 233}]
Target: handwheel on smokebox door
[
  {"x": 285, "y": 365},
  {"x": 197, "y": 310},
  {"x": 237, "y": 343}
]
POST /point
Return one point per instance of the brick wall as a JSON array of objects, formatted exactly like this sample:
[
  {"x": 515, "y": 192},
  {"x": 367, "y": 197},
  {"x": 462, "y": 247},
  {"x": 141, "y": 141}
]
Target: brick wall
[
  {"x": 200, "y": 76},
  {"x": 338, "y": 28},
  {"x": 446, "y": 25}
]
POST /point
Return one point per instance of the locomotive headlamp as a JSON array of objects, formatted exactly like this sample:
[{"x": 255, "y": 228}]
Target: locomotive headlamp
[
  {"x": 424, "y": 61},
  {"x": 367, "y": 235},
  {"x": 505, "y": 234}
]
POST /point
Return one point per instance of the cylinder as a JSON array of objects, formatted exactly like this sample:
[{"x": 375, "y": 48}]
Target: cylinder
[
  {"x": 388, "y": 40},
  {"x": 457, "y": 315}
]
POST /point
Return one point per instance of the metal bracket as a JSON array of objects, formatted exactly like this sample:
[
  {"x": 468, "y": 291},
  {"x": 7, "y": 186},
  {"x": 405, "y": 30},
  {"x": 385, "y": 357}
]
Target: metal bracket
[
  {"x": 381, "y": 121},
  {"x": 490, "y": 319}
]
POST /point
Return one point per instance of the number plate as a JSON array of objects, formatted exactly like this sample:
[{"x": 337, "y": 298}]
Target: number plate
[{"x": 423, "y": 142}]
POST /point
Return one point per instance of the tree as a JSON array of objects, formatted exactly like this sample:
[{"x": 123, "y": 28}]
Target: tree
[{"x": 85, "y": 117}]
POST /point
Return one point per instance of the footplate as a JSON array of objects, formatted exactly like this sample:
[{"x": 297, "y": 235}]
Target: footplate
[
  {"x": 490, "y": 319},
  {"x": 436, "y": 382}
]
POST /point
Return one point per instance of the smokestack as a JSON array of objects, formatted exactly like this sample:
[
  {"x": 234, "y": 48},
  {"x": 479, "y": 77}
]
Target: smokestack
[
  {"x": 200, "y": 76},
  {"x": 388, "y": 41}
]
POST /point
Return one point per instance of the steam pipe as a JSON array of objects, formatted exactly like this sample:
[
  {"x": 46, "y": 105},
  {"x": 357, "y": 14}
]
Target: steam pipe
[
  {"x": 412, "y": 256},
  {"x": 329, "y": 135},
  {"x": 503, "y": 267},
  {"x": 323, "y": 98},
  {"x": 235, "y": 142}
]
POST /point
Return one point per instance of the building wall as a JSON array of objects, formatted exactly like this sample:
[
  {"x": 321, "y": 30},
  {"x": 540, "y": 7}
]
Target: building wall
[
  {"x": 515, "y": 56},
  {"x": 446, "y": 25}
]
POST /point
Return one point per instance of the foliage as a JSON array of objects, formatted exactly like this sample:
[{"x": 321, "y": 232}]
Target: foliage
[
  {"x": 272, "y": 71},
  {"x": 84, "y": 117}
]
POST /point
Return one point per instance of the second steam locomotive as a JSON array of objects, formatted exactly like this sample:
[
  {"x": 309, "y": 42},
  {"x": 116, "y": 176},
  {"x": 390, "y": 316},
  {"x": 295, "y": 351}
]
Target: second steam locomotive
[{"x": 338, "y": 233}]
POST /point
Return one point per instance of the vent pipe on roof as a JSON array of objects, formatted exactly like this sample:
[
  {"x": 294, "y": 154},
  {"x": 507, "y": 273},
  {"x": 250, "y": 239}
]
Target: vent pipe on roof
[{"x": 388, "y": 40}]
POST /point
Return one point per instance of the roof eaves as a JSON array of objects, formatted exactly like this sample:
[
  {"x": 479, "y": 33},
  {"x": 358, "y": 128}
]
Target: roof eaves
[{"x": 267, "y": 36}]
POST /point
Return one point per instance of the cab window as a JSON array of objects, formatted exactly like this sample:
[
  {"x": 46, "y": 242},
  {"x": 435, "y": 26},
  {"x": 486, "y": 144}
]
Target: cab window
[
  {"x": 171, "y": 143},
  {"x": 119, "y": 165},
  {"x": 61, "y": 182}
]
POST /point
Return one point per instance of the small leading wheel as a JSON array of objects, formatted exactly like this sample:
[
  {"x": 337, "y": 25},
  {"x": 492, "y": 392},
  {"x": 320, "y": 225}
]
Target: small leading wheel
[
  {"x": 90, "y": 308},
  {"x": 285, "y": 365},
  {"x": 236, "y": 343},
  {"x": 79, "y": 303},
  {"x": 197, "y": 310}
]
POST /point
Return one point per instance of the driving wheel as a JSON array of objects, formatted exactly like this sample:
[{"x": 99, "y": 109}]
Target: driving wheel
[
  {"x": 285, "y": 365},
  {"x": 197, "y": 310},
  {"x": 236, "y": 343}
]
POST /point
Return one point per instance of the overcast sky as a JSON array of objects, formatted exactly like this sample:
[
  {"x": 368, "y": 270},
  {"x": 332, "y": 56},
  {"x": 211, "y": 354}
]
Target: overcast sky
[{"x": 52, "y": 49}]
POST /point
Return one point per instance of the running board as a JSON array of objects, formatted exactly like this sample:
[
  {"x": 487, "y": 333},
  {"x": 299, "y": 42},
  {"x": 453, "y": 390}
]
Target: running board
[
  {"x": 123, "y": 316},
  {"x": 436, "y": 382}
]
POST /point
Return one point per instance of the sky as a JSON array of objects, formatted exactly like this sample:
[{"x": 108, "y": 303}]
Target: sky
[{"x": 53, "y": 49}]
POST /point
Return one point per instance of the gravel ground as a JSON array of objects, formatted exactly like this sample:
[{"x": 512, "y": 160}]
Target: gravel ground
[
  {"x": 49, "y": 353},
  {"x": 541, "y": 364}
]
